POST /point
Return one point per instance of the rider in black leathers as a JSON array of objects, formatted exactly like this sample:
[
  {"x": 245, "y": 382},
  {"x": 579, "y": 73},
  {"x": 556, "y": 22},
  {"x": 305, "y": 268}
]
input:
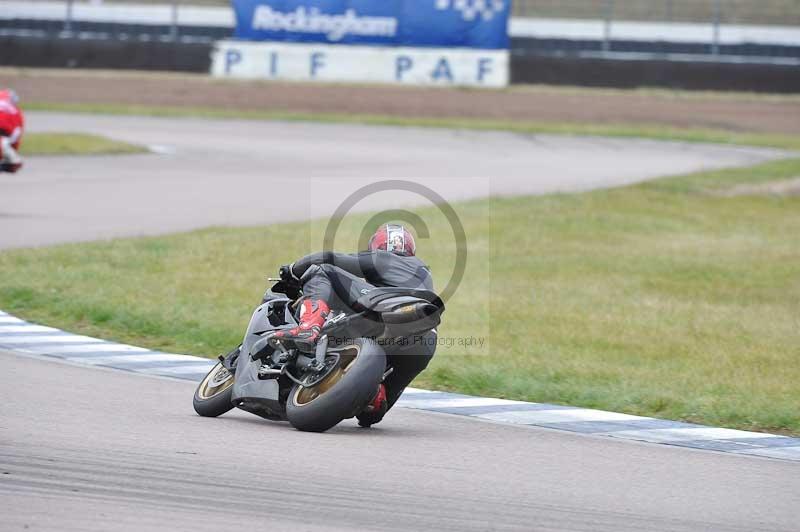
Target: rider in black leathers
[{"x": 337, "y": 280}]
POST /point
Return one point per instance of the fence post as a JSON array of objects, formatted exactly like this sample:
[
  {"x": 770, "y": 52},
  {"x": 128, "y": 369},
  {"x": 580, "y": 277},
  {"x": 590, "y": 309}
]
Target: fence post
[
  {"x": 173, "y": 32},
  {"x": 716, "y": 23},
  {"x": 609, "y": 15},
  {"x": 68, "y": 18}
]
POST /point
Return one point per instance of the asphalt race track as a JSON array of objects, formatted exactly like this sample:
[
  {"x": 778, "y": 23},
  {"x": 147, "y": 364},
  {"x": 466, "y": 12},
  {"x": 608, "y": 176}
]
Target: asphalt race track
[
  {"x": 89, "y": 449},
  {"x": 86, "y": 449},
  {"x": 227, "y": 172}
]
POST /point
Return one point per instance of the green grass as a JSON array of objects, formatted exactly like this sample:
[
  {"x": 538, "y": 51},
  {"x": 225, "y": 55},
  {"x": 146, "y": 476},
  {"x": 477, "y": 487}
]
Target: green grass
[
  {"x": 74, "y": 144},
  {"x": 658, "y": 299},
  {"x": 655, "y": 131}
]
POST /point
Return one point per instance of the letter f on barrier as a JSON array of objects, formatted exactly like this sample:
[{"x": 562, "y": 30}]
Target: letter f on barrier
[
  {"x": 232, "y": 57},
  {"x": 317, "y": 62},
  {"x": 484, "y": 67}
]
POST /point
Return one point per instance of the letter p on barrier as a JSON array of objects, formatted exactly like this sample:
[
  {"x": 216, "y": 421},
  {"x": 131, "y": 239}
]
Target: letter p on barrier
[
  {"x": 403, "y": 64},
  {"x": 232, "y": 57}
]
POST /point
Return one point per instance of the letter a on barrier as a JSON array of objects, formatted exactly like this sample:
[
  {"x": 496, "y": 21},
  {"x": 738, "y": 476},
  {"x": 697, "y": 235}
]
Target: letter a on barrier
[{"x": 442, "y": 70}]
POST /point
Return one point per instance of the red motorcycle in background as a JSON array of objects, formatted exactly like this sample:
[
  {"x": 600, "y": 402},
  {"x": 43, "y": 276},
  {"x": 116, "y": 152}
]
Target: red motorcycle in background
[{"x": 12, "y": 122}]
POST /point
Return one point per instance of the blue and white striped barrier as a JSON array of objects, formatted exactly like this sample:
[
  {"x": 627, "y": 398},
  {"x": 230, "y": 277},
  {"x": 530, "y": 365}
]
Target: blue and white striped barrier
[{"x": 24, "y": 337}]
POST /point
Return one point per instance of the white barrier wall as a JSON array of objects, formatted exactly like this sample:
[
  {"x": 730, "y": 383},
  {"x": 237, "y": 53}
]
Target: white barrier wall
[{"x": 363, "y": 64}]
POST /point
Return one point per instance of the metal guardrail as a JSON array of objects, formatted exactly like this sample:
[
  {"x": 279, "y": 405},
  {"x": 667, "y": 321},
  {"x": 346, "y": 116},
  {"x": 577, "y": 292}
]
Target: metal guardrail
[
  {"x": 757, "y": 12},
  {"x": 162, "y": 20},
  {"x": 715, "y": 14},
  {"x": 777, "y": 12},
  {"x": 612, "y": 23}
]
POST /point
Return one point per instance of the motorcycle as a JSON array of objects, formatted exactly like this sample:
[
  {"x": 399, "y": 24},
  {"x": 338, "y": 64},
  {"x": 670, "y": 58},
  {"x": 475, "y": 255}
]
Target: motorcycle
[{"x": 314, "y": 391}]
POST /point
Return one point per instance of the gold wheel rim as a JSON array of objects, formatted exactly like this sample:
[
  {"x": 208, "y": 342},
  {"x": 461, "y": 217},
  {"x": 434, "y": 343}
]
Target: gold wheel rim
[
  {"x": 304, "y": 396},
  {"x": 215, "y": 382}
]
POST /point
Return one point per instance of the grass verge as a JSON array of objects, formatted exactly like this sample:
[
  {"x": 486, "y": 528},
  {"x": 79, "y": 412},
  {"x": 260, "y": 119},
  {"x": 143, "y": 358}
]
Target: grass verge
[
  {"x": 655, "y": 131},
  {"x": 74, "y": 144},
  {"x": 661, "y": 299}
]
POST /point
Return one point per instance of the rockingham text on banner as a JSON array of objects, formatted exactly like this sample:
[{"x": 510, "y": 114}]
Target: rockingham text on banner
[{"x": 410, "y": 23}]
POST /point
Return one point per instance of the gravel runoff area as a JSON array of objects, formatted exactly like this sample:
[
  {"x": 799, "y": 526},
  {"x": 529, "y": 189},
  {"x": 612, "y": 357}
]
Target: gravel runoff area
[{"x": 733, "y": 112}]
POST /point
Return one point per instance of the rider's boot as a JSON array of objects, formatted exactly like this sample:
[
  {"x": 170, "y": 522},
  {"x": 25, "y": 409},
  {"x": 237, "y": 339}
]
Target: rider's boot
[
  {"x": 305, "y": 335},
  {"x": 10, "y": 161},
  {"x": 375, "y": 410}
]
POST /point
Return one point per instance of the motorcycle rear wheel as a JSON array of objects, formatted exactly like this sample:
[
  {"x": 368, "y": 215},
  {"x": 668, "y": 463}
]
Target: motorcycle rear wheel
[
  {"x": 213, "y": 395},
  {"x": 343, "y": 393}
]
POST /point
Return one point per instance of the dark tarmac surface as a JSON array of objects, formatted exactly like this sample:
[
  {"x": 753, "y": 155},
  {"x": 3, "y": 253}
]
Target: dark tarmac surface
[{"x": 84, "y": 449}]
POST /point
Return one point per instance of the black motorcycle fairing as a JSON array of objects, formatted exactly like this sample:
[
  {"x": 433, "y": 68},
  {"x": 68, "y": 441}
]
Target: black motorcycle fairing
[
  {"x": 384, "y": 299},
  {"x": 262, "y": 385},
  {"x": 250, "y": 392},
  {"x": 403, "y": 311}
]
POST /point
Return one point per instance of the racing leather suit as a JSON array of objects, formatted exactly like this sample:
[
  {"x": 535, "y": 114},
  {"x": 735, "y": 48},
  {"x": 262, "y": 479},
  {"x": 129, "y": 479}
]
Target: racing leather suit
[
  {"x": 12, "y": 123},
  {"x": 341, "y": 278}
]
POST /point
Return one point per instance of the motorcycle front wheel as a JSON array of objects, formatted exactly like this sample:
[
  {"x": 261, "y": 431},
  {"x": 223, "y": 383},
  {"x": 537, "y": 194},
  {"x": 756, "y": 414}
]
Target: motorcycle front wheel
[
  {"x": 212, "y": 397},
  {"x": 343, "y": 393}
]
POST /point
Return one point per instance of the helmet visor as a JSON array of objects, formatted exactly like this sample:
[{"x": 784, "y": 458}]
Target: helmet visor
[{"x": 395, "y": 238}]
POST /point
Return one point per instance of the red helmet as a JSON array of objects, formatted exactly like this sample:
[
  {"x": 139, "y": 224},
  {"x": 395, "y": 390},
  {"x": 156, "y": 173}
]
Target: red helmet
[
  {"x": 394, "y": 238},
  {"x": 9, "y": 95}
]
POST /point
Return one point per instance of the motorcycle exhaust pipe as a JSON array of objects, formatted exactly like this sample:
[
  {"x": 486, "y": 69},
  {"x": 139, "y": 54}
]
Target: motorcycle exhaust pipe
[{"x": 410, "y": 313}]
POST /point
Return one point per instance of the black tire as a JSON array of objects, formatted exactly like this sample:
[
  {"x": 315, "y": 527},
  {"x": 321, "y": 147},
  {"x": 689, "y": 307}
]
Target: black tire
[
  {"x": 362, "y": 370},
  {"x": 212, "y": 397}
]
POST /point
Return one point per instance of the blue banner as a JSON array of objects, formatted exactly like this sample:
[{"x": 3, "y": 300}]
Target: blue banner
[{"x": 434, "y": 23}]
